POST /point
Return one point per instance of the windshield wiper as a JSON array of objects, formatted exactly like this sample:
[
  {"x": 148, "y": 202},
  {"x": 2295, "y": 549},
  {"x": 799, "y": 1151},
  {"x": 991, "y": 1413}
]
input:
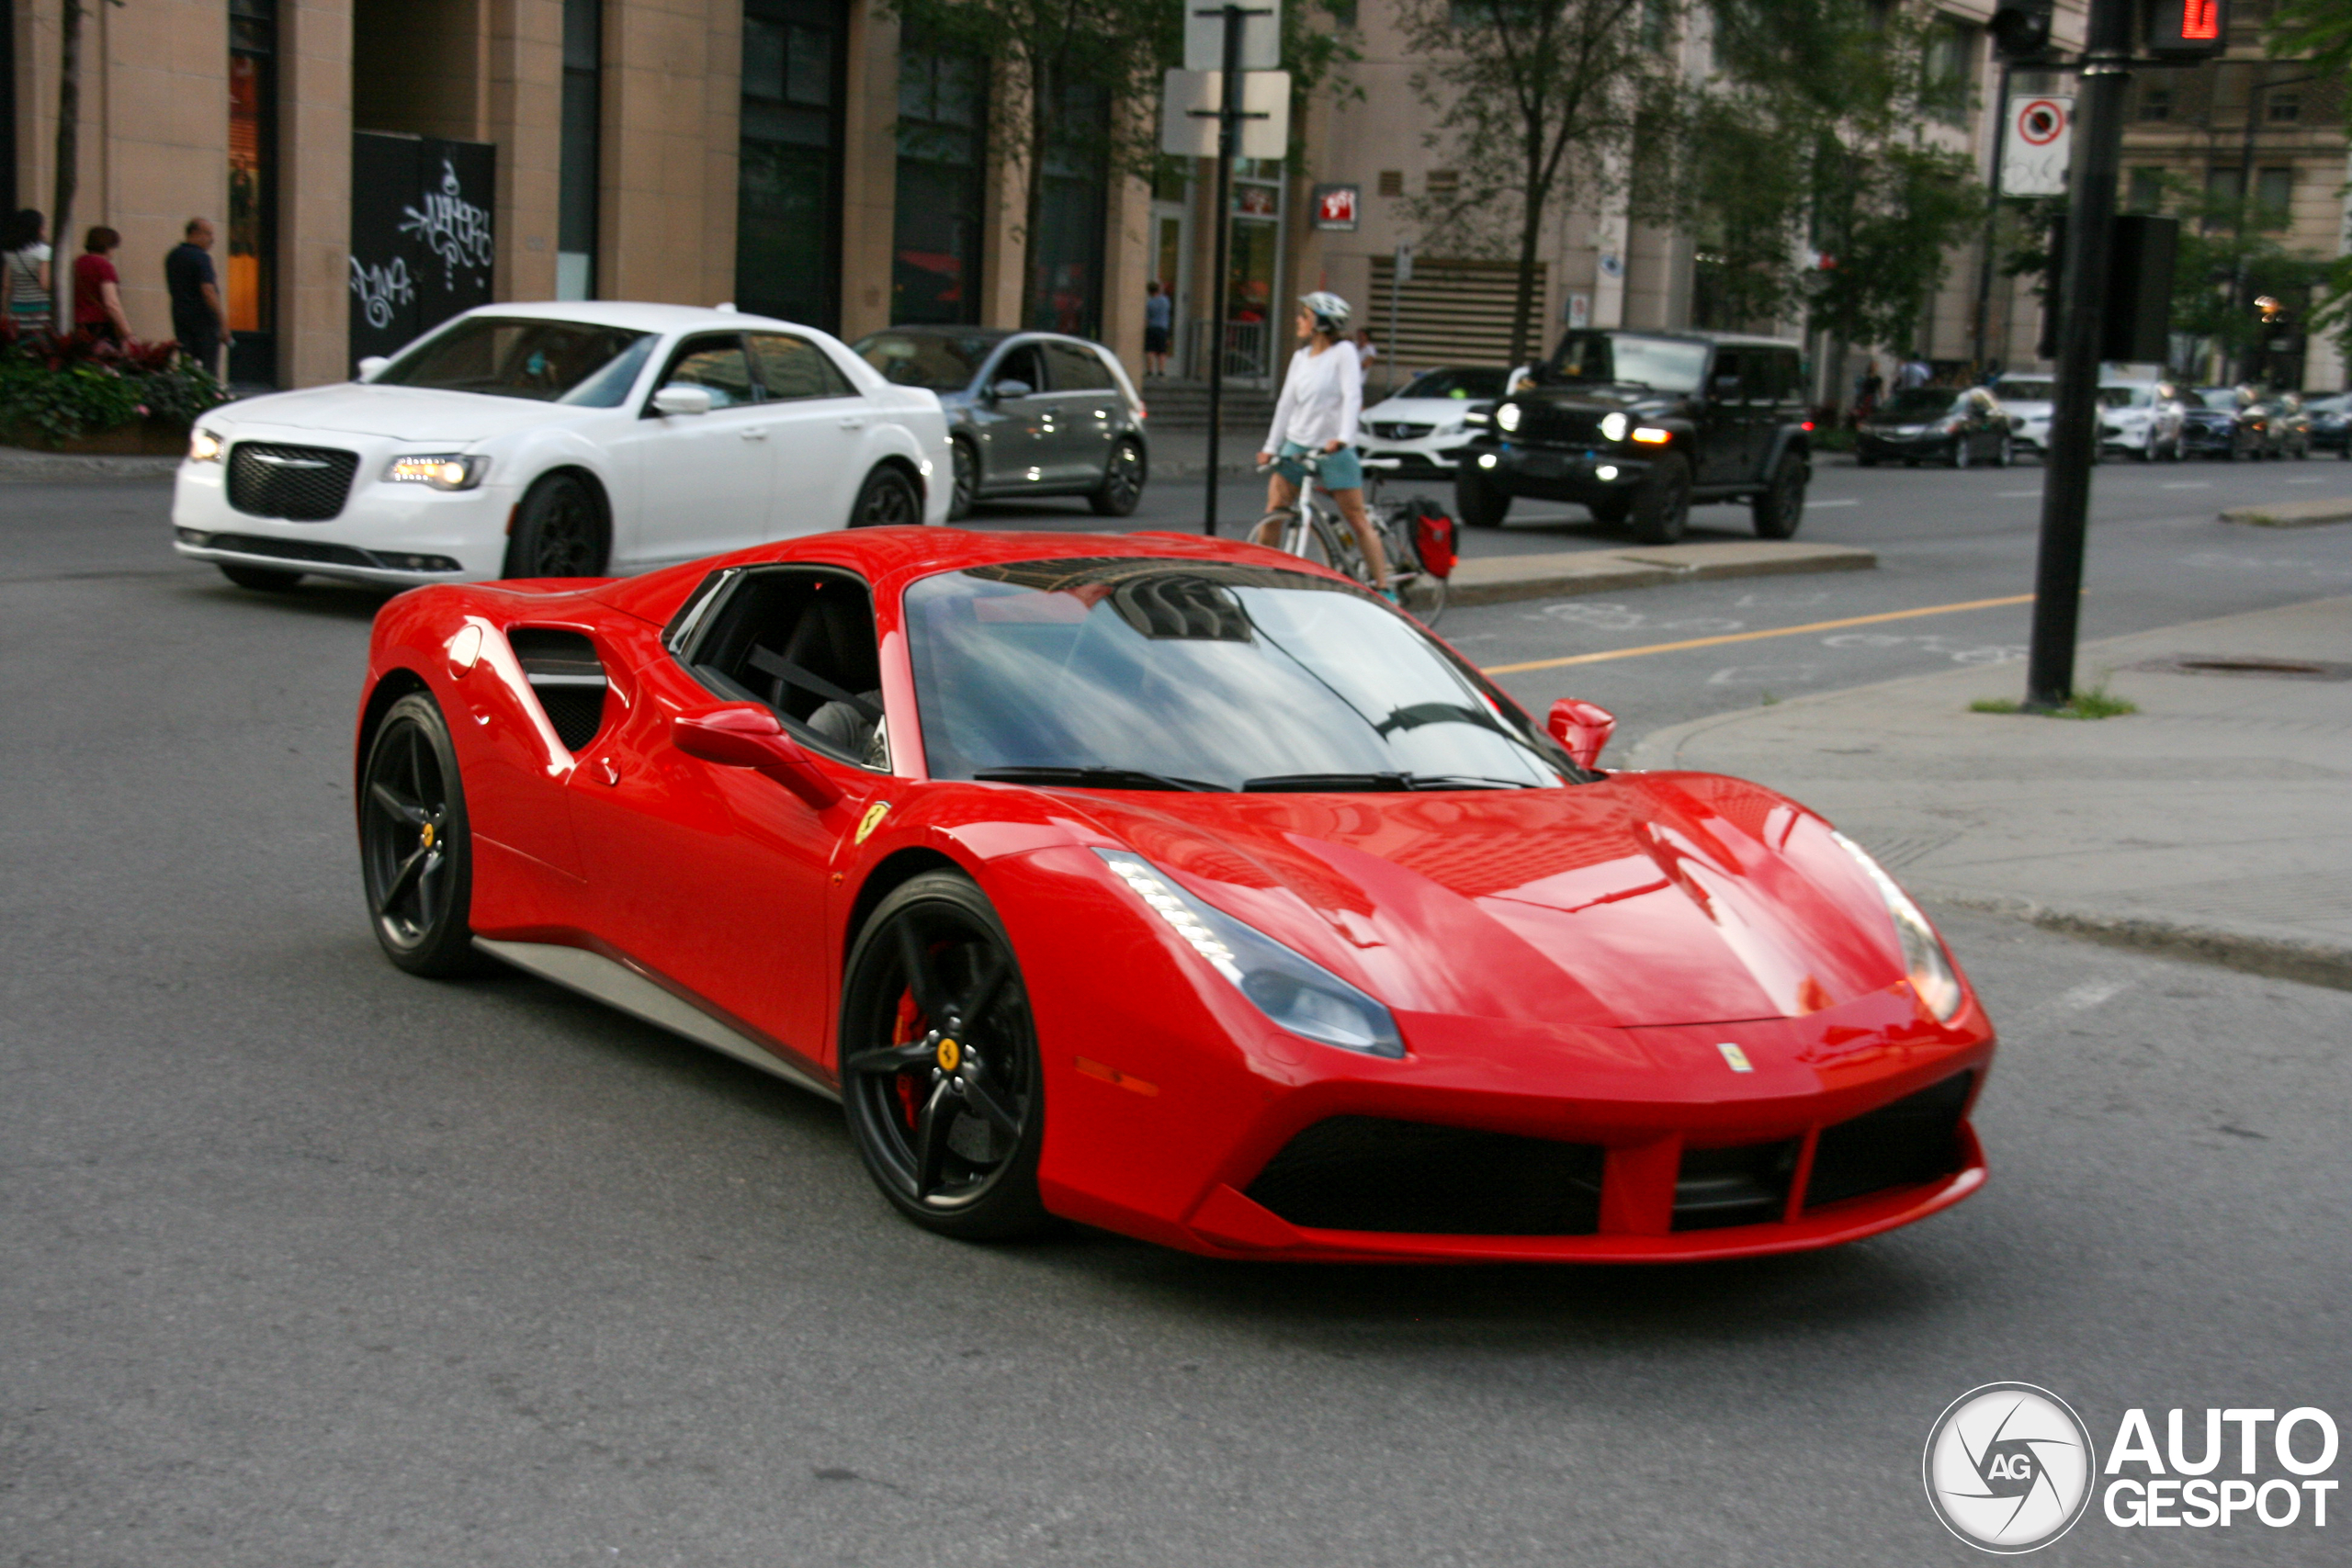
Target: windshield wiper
[
  {"x": 1334, "y": 783},
  {"x": 1104, "y": 778},
  {"x": 1467, "y": 781}
]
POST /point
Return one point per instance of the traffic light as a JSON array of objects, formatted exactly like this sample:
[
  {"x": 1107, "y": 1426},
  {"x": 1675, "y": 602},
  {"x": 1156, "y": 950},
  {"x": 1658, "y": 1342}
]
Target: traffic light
[
  {"x": 2188, "y": 30},
  {"x": 2021, "y": 28}
]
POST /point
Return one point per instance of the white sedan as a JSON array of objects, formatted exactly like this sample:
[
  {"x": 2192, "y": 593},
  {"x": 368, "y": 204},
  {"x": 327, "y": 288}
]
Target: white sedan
[{"x": 560, "y": 440}]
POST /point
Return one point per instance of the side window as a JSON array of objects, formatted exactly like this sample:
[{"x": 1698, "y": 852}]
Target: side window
[
  {"x": 1722, "y": 381},
  {"x": 1021, "y": 364},
  {"x": 1075, "y": 368},
  {"x": 793, "y": 368},
  {"x": 803, "y": 643},
  {"x": 1779, "y": 378},
  {"x": 717, "y": 363}
]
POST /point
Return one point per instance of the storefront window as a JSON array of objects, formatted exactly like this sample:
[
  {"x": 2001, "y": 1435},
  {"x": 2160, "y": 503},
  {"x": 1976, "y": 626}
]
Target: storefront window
[
  {"x": 787, "y": 226},
  {"x": 575, "y": 247},
  {"x": 935, "y": 257},
  {"x": 1066, "y": 288},
  {"x": 250, "y": 275}
]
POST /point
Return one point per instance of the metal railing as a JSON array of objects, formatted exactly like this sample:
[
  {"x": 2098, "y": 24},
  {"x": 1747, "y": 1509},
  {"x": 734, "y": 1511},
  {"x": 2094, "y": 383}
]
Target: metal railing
[{"x": 1247, "y": 351}]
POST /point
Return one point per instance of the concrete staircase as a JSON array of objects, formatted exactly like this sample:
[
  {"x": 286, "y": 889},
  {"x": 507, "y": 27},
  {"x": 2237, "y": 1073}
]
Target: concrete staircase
[{"x": 1184, "y": 405}]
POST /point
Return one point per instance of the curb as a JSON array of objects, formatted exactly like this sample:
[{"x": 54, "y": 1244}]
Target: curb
[
  {"x": 2282, "y": 958},
  {"x": 1496, "y": 580},
  {"x": 18, "y": 466},
  {"x": 2290, "y": 514}
]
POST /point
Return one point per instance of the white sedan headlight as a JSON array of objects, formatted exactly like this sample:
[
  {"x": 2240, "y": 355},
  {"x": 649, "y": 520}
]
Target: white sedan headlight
[
  {"x": 441, "y": 470},
  {"x": 203, "y": 446},
  {"x": 1931, "y": 973}
]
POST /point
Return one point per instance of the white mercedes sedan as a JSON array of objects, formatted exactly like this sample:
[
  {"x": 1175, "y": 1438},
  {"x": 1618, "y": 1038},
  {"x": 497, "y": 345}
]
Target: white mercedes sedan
[{"x": 574, "y": 439}]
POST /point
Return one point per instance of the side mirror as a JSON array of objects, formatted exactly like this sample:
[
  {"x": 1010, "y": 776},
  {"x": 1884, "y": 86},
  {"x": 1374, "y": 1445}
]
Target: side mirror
[
  {"x": 745, "y": 735},
  {"x": 679, "y": 397},
  {"x": 1009, "y": 389},
  {"x": 1583, "y": 727},
  {"x": 372, "y": 366}
]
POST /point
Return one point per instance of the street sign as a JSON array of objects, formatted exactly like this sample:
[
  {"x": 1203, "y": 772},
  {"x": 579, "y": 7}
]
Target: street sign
[
  {"x": 2188, "y": 30},
  {"x": 2041, "y": 140},
  {"x": 1404, "y": 264},
  {"x": 1189, "y": 101},
  {"x": 1335, "y": 206},
  {"x": 1262, "y": 35}
]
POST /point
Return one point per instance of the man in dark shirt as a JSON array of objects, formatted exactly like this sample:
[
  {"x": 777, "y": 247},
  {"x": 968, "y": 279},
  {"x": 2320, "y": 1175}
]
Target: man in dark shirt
[{"x": 198, "y": 319}]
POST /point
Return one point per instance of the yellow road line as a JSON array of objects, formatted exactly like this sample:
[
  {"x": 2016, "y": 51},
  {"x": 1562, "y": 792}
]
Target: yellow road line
[{"x": 1751, "y": 637}]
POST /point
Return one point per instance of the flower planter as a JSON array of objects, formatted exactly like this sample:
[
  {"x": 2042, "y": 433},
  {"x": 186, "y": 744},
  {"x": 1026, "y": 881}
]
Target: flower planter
[{"x": 142, "y": 438}]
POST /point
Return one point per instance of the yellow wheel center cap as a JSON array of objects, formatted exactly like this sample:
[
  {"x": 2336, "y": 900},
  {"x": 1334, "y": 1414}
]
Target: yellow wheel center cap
[
  {"x": 426, "y": 838},
  {"x": 950, "y": 1056}
]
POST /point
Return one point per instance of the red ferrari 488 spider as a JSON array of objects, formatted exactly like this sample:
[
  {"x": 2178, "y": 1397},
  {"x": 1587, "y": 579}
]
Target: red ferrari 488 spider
[{"x": 1174, "y": 888}]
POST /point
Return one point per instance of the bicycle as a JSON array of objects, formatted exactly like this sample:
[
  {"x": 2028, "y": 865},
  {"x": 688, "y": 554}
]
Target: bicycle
[{"x": 1314, "y": 528}]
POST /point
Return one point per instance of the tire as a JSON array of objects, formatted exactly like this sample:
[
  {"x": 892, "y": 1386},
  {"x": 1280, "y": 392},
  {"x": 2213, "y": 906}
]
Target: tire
[
  {"x": 1959, "y": 454},
  {"x": 1662, "y": 506},
  {"x": 942, "y": 1083},
  {"x": 1480, "y": 505},
  {"x": 1866, "y": 459},
  {"x": 2006, "y": 455},
  {"x": 415, "y": 847},
  {"x": 1121, "y": 485},
  {"x": 560, "y": 531},
  {"x": 1611, "y": 509},
  {"x": 965, "y": 493},
  {"x": 1780, "y": 508},
  {"x": 260, "y": 579},
  {"x": 1432, "y": 591},
  {"x": 886, "y": 500}
]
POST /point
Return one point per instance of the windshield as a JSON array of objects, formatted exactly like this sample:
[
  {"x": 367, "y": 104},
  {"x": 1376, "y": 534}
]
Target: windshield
[
  {"x": 2026, "y": 391},
  {"x": 935, "y": 361},
  {"x": 2127, "y": 397},
  {"x": 1916, "y": 403},
  {"x": 1173, "y": 674},
  {"x": 551, "y": 361},
  {"x": 2224, "y": 398},
  {"x": 1668, "y": 365},
  {"x": 1456, "y": 384}
]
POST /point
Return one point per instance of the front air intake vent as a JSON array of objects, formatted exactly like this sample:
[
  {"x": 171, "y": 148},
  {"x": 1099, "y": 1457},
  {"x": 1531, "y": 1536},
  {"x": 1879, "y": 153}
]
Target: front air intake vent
[
  {"x": 1748, "y": 1185},
  {"x": 1915, "y": 1140},
  {"x": 566, "y": 677},
  {"x": 1366, "y": 1173}
]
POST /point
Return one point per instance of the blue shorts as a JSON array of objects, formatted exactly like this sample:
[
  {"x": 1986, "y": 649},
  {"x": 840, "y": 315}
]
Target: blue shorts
[{"x": 1337, "y": 470}]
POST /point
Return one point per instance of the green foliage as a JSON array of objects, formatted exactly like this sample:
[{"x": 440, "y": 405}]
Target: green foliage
[
  {"x": 63, "y": 388},
  {"x": 63, "y": 405},
  {"x": 2230, "y": 253},
  {"x": 2317, "y": 31},
  {"x": 2096, "y": 702}
]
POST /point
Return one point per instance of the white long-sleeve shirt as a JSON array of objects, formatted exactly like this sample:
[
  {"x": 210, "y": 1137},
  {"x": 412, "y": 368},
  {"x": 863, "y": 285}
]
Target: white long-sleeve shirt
[{"x": 1322, "y": 394}]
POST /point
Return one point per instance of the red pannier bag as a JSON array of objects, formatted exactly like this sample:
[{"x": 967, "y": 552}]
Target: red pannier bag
[{"x": 1434, "y": 539}]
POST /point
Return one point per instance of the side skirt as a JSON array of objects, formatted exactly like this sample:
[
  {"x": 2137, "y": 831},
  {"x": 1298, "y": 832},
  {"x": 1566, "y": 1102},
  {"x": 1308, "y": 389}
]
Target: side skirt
[{"x": 600, "y": 978}]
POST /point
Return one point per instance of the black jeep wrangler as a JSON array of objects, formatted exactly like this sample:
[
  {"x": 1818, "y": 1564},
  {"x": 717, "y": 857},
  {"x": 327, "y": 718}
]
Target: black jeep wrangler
[{"x": 1639, "y": 424}]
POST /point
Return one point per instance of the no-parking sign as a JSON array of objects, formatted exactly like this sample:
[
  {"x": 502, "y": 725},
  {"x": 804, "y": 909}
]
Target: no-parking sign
[{"x": 2034, "y": 153}]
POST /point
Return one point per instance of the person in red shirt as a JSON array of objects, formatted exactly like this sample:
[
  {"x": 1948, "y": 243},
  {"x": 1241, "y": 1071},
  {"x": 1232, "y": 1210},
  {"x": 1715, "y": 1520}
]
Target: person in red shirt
[{"x": 98, "y": 291}]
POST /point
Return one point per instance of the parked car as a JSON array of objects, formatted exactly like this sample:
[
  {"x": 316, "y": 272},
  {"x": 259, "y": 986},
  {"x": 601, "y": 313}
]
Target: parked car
[
  {"x": 2208, "y": 423},
  {"x": 1641, "y": 425},
  {"x": 1425, "y": 425},
  {"x": 2142, "y": 419},
  {"x": 2331, "y": 423},
  {"x": 1944, "y": 424},
  {"x": 2028, "y": 400},
  {"x": 1028, "y": 414},
  {"x": 570, "y": 439}
]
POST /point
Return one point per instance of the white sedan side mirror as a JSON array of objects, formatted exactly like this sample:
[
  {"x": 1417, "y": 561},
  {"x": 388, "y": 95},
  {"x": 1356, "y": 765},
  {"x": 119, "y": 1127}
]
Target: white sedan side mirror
[
  {"x": 372, "y": 366},
  {"x": 680, "y": 397}
]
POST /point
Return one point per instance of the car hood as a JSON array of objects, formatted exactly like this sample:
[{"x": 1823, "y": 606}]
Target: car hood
[
  {"x": 401, "y": 413},
  {"x": 1644, "y": 899},
  {"x": 1598, "y": 395},
  {"x": 2028, "y": 410},
  {"x": 1423, "y": 410}
]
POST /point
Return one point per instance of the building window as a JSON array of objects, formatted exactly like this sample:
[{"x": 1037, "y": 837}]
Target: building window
[
  {"x": 251, "y": 271},
  {"x": 1949, "y": 69},
  {"x": 1442, "y": 181},
  {"x": 2147, "y": 191},
  {"x": 2155, "y": 103},
  {"x": 935, "y": 258},
  {"x": 1392, "y": 182},
  {"x": 2275, "y": 190},
  {"x": 787, "y": 223},
  {"x": 575, "y": 245},
  {"x": 2284, "y": 106},
  {"x": 1066, "y": 257}
]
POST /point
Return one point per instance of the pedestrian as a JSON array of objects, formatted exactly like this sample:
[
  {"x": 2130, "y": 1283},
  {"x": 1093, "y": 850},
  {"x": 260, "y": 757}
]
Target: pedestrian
[
  {"x": 1868, "y": 386},
  {"x": 1322, "y": 397},
  {"x": 1366, "y": 352},
  {"x": 26, "y": 271},
  {"x": 198, "y": 319},
  {"x": 1159, "y": 322},
  {"x": 1915, "y": 373},
  {"x": 97, "y": 289}
]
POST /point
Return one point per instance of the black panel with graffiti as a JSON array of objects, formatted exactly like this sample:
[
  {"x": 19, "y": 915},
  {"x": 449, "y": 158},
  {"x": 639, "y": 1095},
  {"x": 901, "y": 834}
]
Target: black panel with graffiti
[{"x": 420, "y": 241}]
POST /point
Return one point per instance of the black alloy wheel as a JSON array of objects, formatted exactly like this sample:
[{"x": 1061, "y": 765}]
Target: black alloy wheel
[
  {"x": 1662, "y": 505},
  {"x": 941, "y": 1079},
  {"x": 1121, "y": 485},
  {"x": 966, "y": 493},
  {"x": 415, "y": 854},
  {"x": 887, "y": 501},
  {"x": 559, "y": 531},
  {"x": 1479, "y": 503},
  {"x": 1779, "y": 509},
  {"x": 260, "y": 579}
]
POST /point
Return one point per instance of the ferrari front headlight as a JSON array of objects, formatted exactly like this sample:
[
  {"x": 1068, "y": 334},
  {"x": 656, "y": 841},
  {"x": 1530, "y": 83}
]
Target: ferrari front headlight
[
  {"x": 1931, "y": 971},
  {"x": 1292, "y": 990}
]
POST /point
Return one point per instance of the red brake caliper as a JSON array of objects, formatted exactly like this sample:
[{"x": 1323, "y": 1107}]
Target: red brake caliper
[{"x": 908, "y": 1026}]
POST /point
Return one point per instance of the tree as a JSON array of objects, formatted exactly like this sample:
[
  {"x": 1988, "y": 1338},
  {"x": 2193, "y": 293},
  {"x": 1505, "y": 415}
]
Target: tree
[{"x": 1535, "y": 101}]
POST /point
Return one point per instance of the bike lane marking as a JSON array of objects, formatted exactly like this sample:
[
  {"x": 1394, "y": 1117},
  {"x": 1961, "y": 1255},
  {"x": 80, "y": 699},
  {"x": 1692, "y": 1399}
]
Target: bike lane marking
[{"x": 1752, "y": 636}]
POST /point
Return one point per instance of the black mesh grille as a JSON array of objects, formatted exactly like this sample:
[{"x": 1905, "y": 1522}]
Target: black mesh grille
[
  {"x": 1743, "y": 1186},
  {"x": 1364, "y": 1173},
  {"x": 566, "y": 676},
  {"x": 302, "y": 484},
  {"x": 1398, "y": 430},
  {"x": 1548, "y": 423},
  {"x": 1915, "y": 1140}
]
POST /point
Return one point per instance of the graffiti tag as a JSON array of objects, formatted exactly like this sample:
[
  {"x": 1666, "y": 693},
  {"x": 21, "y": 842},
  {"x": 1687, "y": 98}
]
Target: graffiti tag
[
  {"x": 380, "y": 289},
  {"x": 451, "y": 227}
]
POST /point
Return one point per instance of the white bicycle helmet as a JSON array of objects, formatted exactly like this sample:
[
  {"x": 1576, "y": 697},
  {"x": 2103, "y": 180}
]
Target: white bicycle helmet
[{"x": 1330, "y": 311}]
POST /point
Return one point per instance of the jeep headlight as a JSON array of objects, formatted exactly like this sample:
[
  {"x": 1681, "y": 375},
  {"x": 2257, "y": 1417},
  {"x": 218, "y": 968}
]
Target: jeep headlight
[
  {"x": 1931, "y": 971},
  {"x": 1613, "y": 426},
  {"x": 441, "y": 470},
  {"x": 1292, "y": 990},
  {"x": 1508, "y": 417}
]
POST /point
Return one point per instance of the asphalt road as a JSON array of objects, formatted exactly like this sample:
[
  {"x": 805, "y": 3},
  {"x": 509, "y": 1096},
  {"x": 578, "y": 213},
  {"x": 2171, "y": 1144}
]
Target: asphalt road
[{"x": 303, "y": 1261}]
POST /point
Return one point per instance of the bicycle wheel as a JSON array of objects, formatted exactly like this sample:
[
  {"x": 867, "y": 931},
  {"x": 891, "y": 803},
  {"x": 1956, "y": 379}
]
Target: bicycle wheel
[
  {"x": 1335, "y": 546},
  {"x": 1431, "y": 591}
]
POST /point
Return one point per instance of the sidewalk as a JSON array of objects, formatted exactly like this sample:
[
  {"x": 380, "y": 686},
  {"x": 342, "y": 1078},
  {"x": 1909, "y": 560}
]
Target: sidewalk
[{"x": 2216, "y": 822}]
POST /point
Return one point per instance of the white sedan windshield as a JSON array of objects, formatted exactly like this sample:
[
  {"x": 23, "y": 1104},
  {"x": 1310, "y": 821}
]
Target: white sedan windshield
[{"x": 552, "y": 362}]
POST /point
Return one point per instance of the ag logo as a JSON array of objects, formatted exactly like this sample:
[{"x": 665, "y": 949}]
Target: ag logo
[{"x": 2008, "y": 1467}]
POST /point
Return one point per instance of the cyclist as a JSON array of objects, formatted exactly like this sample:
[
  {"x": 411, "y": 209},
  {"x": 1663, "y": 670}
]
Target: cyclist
[{"x": 1322, "y": 394}]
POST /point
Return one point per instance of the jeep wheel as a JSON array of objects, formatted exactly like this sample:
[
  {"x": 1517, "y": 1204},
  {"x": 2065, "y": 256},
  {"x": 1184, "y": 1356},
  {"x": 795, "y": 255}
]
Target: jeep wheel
[
  {"x": 1662, "y": 506},
  {"x": 1480, "y": 504},
  {"x": 1780, "y": 507}
]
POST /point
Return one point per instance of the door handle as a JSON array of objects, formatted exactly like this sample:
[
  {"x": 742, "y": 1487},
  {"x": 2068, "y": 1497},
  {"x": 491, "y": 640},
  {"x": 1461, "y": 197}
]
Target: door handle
[
  {"x": 852, "y": 421},
  {"x": 757, "y": 432}
]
